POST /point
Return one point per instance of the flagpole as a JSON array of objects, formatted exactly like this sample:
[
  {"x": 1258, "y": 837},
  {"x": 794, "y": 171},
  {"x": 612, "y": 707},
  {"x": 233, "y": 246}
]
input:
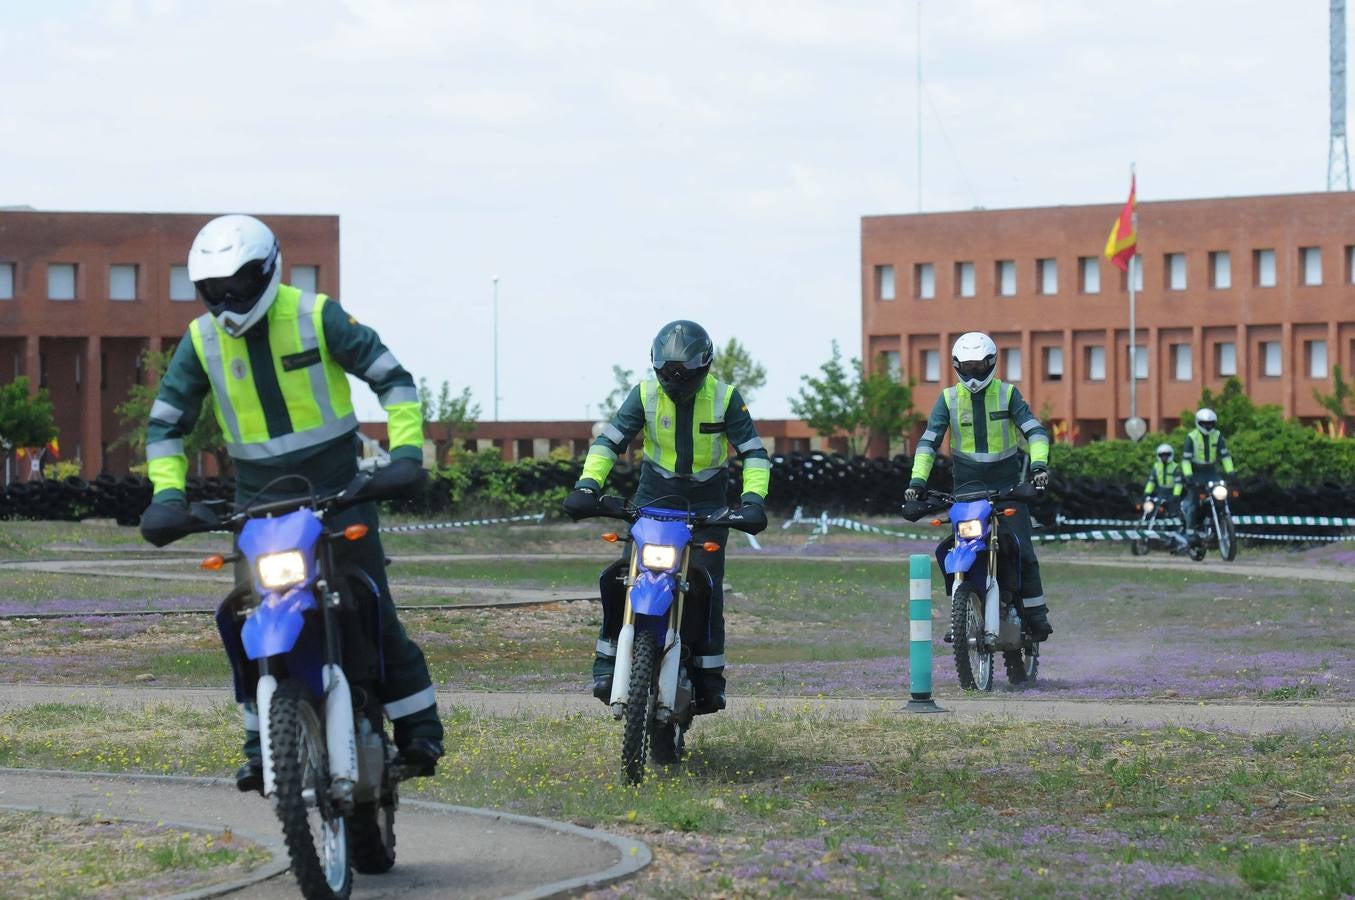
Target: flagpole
[{"x": 1133, "y": 331}]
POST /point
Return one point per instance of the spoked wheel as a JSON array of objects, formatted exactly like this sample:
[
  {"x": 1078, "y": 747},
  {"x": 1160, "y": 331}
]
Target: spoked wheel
[
  {"x": 316, "y": 835},
  {"x": 1227, "y": 538},
  {"x": 666, "y": 743},
  {"x": 973, "y": 664},
  {"x": 639, "y": 706}
]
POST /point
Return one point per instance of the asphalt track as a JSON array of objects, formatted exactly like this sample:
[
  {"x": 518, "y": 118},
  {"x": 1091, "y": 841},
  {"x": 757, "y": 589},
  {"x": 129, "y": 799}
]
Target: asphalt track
[{"x": 441, "y": 850}]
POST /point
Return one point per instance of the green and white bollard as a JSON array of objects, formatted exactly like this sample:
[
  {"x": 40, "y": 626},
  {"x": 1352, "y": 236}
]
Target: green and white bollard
[{"x": 920, "y": 635}]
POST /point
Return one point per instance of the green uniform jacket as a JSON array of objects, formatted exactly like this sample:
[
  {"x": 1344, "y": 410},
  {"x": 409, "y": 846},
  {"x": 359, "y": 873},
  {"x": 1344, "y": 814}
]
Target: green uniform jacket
[
  {"x": 986, "y": 430},
  {"x": 1203, "y": 454},
  {"x": 686, "y": 446},
  {"x": 353, "y": 346},
  {"x": 1162, "y": 475}
]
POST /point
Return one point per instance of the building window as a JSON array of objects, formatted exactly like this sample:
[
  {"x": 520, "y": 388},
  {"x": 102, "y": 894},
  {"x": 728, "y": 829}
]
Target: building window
[
  {"x": 1136, "y": 270},
  {"x": 1310, "y": 260},
  {"x": 1011, "y": 363},
  {"x": 1053, "y": 363},
  {"x": 122, "y": 282},
  {"x": 1175, "y": 264},
  {"x": 1220, "y": 270},
  {"x": 61, "y": 281},
  {"x": 6, "y": 281},
  {"x": 931, "y": 365},
  {"x": 180, "y": 288},
  {"x": 892, "y": 364},
  {"x": 1225, "y": 359},
  {"x": 1316, "y": 351},
  {"x": 884, "y": 282},
  {"x": 305, "y": 278},
  {"x": 1047, "y": 275},
  {"x": 1095, "y": 358},
  {"x": 1350, "y": 264},
  {"x": 1140, "y": 364},
  {"x": 964, "y": 278},
  {"x": 1090, "y": 269},
  {"x": 1263, "y": 265},
  {"x": 1006, "y": 277},
  {"x": 1271, "y": 366},
  {"x": 1182, "y": 362},
  {"x": 924, "y": 281}
]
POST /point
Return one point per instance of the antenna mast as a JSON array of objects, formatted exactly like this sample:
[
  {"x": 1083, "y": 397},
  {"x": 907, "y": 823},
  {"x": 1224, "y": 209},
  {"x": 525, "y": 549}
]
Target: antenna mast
[{"x": 1338, "y": 154}]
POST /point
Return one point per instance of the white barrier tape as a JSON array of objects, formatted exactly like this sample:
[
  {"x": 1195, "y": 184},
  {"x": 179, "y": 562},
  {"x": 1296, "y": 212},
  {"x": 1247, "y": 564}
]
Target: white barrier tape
[
  {"x": 467, "y": 523},
  {"x": 1311, "y": 521},
  {"x": 1060, "y": 521}
]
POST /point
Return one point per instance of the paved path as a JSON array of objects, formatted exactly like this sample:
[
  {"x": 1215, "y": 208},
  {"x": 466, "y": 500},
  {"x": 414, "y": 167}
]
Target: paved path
[
  {"x": 1253, "y": 717},
  {"x": 441, "y": 850}
]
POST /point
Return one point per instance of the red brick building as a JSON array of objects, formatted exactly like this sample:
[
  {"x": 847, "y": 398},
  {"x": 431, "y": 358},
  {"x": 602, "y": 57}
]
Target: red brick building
[
  {"x": 82, "y": 295},
  {"x": 1258, "y": 287}
]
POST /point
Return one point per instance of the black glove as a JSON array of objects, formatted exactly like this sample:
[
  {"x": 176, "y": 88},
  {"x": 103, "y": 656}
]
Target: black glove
[
  {"x": 164, "y": 523},
  {"x": 582, "y": 503},
  {"x": 1040, "y": 478},
  {"x": 917, "y": 490},
  {"x": 753, "y": 517}
]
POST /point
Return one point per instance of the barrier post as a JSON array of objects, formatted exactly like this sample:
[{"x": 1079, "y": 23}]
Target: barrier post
[{"x": 920, "y": 635}]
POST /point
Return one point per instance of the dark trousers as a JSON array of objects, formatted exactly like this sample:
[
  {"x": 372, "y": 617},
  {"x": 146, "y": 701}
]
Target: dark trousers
[
  {"x": 406, "y": 689},
  {"x": 997, "y": 477}
]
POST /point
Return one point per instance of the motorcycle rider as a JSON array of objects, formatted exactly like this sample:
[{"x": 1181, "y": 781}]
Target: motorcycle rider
[
  {"x": 692, "y": 422},
  {"x": 1203, "y": 454},
  {"x": 985, "y": 414},
  {"x": 276, "y": 361},
  {"x": 1164, "y": 472}
]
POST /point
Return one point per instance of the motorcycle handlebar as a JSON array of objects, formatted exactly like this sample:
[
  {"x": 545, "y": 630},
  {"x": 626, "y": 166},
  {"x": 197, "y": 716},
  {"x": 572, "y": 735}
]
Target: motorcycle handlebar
[
  {"x": 613, "y": 507},
  {"x": 938, "y": 501}
]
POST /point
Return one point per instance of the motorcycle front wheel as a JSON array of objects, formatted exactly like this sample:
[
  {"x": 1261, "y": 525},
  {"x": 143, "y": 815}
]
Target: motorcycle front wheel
[
  {"x": 639, "y": 705},
  {"x": 316, "y": 835},
  {"x": 973, "y": 664},
  {"x": 1227, "y": 537}
]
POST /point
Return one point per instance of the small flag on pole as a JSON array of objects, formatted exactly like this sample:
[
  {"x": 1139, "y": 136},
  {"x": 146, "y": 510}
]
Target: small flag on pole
[{"x": 1124, "y": 236}]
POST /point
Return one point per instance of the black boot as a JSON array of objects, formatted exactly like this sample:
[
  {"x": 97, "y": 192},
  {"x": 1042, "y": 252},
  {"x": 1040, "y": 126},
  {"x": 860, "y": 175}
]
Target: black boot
[
  {"x": 708, "y": 690},
  {"x": 602, "y": 688},
  {"x": 419, "y": 758},
  {"x": 249, "y": 777}
]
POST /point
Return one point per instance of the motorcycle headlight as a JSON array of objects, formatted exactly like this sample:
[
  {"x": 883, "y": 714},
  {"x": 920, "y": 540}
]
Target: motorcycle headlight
[
  {"x": 281, "y": 570},
  {"x": 1148, "y": 506},
  {"x": 658, "y": 556},
  {"x": 970, "y": 528},
  {"x": 1220, "y": 491}
]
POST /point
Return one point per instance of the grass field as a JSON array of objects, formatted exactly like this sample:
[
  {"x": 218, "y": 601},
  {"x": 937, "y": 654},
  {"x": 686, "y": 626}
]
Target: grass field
[{"x": 800, "y": 804}]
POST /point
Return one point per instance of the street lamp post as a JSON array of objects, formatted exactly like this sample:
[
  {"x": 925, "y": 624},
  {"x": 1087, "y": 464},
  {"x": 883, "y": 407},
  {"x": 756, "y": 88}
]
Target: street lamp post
[{"x": 495, "y": 279}]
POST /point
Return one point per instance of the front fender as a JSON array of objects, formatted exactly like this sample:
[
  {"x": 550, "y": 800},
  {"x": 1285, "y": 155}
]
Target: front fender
[
  {"x": 276, "y": 623},
  {"x": 652, "y": 593},
  {"x": 961, "y": 557}
]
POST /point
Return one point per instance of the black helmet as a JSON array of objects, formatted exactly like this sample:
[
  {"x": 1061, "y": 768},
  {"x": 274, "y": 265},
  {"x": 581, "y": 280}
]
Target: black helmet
[{"x": 681, "y": 356}]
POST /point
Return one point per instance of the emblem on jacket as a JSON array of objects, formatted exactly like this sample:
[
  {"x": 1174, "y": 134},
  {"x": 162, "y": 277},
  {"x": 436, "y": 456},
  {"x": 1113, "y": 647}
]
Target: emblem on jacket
[
  {"x": 238, "y": 368},
  {"x": 666, "y": 422},
  {"x": 966, "y": 418}
]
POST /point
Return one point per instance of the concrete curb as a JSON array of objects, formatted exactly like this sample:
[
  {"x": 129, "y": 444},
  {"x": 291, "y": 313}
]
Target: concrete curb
[{"x": 635, "y": 855}]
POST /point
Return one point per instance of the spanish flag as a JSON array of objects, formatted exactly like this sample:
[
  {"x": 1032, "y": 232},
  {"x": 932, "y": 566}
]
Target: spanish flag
[{"x": 1124, "y": 236}]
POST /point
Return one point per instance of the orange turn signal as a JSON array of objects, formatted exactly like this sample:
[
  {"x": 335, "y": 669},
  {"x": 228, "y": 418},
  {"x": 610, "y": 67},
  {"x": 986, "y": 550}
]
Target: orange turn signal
[
  {"x": 710, "y": 546},
  {"x": 213, "y": 563},
  {"x": 611, "y": 537},
  {"x": 355, "y": 532},
  {"x": 1009, "y": 512},
  {"x": 936, "y": 522}
]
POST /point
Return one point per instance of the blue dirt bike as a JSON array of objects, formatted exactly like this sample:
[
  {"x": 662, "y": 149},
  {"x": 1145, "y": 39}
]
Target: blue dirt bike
[
  {"x": 981, "y": 562},
  {"x": 658, "y": 605},
  {"x": 304, "y": 645}
]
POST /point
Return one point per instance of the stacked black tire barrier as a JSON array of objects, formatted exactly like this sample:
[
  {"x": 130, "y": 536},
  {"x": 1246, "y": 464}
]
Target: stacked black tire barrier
[{"x": 816, "y": 482}]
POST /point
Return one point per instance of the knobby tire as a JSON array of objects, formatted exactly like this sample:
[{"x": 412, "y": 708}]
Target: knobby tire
[{"x": 639, "y": 706}]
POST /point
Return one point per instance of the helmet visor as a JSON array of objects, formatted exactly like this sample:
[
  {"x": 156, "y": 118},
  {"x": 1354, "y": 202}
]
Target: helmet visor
[
  {"x": 975, "y": 369},
  {"x": 239, "y": 292},
  {"x": 1165, "y": 456},
  {"x": 681, "y": 378},
  {"x": 1206, "y": 425}
]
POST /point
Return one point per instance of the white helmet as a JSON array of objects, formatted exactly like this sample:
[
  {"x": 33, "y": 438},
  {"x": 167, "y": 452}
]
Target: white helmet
[
  {"x": 236, "y": 266},
  {"x": 1206, "y": 420},
  {"x": 974, "y": 357},
  {"x": 1165, "y": 452}
]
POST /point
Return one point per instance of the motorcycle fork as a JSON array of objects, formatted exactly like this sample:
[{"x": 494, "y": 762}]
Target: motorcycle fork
[
  {"x": 625, "y": 643},
  {"x": 337, "y": 708},
  {"x": 992, "y": 613},
  {"x": 672, "y": 644}
]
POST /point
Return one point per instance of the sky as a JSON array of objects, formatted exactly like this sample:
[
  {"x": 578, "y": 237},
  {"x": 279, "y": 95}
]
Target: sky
[{"x": 621, "y": 164}]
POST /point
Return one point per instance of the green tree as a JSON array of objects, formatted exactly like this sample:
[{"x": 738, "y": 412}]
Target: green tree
[
  {"x": 458, "y": 414},
  {"x": 735, "y": 365},
  {"x": 25, "y": 421},
  {"x": 1337, "y": 403},
  {"x": 624, "y": 381},
  {"x": 135, "y": 412},
  {"x": 846, "y": 400}
]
